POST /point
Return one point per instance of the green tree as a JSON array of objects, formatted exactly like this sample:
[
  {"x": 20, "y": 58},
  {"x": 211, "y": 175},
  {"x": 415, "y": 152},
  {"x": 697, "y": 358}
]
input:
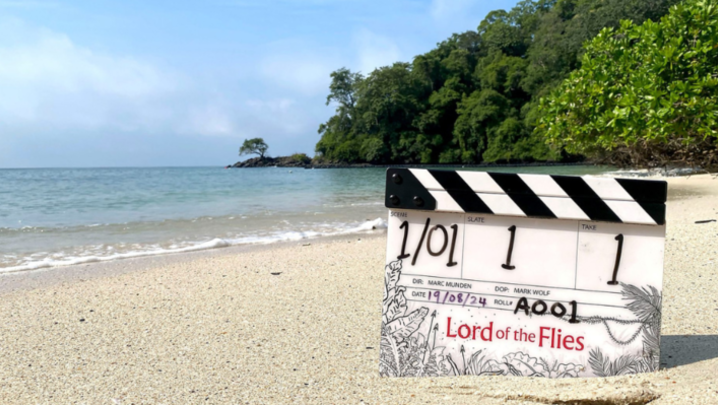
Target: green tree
[
  {"x": 390, "y": 98},
  {"x": 337, "y": 142},
  {"x": 479, "y": 115},
  {"x": 342, "y": 89},
  {"x": 646, "y": 94},
  {"x": 254, "y": 146},
  {"x": 475, "y": 96}
]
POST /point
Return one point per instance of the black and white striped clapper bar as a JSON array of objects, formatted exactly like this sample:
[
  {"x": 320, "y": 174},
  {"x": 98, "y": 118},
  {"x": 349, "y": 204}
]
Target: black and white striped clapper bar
[{"x": 521, "y": 274}]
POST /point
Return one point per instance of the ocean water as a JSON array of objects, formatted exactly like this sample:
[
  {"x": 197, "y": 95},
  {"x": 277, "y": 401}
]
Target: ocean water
[{"x": 56, "y": 217}]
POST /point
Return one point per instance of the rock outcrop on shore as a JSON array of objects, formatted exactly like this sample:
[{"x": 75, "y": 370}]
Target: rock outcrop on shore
[
  {"x": 297, "y": 160},
  {"x": 282, "y": 161}
]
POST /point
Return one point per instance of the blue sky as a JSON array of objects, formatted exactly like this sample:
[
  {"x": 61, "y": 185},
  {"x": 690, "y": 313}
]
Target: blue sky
[{"x": 183, "y": 83}]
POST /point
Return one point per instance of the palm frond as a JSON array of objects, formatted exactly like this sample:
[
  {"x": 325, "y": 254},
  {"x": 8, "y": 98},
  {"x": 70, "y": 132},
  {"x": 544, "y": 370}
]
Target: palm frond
[
  {"x": 394, "y": 354},
  {"x": 396, "y": 306},
  {"x": 402, "y": 327},
  {"x": 599, "y": 363},
  {"x": 645, "y": 304},
  {"x": 602, "y": 365},
  {"x": 624, "y": 365}
]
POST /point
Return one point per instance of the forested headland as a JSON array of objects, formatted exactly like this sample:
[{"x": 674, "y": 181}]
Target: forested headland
[{"x": 549, "y": 80}]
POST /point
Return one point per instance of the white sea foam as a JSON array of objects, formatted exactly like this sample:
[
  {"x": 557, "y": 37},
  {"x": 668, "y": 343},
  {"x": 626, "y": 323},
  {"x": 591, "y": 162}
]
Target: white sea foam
[
  {"x": 654, "y": 173},
  {"x": 43, "y": 260}
]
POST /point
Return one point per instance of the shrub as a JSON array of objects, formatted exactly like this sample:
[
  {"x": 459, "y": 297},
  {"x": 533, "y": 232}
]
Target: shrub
[
  {"x": 301, "y": 158},
  {"x": 645, "y": 95}
]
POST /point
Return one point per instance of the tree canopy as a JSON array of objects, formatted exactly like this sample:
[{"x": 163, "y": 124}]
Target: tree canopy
[
  {"x": 475, "y": 96},
  {"x": 644, "y": 94},
  {"x": 253, "y": 146}
]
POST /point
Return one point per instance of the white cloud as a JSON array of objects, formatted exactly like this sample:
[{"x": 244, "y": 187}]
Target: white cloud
[
  {"x": 274, "y": 106},
  {"x": 297, "y": 67},
  {"x": 251, "y": 118},
  {"x": 209, "y": 120},
  {"x": 281, "y": 116},
  {"x": 445, "y": 10},
  {"x": 49, "y": 83},
  {"x": 48, "y": 80},
  {"x": 228, "y": 83},
  {"x": 375, "y": 51}
]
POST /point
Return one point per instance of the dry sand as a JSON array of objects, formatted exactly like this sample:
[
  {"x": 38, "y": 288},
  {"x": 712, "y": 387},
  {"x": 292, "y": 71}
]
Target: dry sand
[{"x": 219, "y": 327}]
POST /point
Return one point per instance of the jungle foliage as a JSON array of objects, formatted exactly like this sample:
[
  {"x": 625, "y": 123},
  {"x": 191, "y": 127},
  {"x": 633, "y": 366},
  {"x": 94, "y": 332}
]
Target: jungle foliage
[
  {"x": 644, "y": 94},
  {"x": 475, "y": 97}
]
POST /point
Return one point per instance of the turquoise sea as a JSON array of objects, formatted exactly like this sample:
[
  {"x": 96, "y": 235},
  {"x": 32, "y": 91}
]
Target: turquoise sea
[{"x": 55, "y": 217}]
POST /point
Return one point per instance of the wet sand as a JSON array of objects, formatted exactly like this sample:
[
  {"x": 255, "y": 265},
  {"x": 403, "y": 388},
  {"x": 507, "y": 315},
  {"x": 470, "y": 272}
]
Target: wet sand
[{"x": 300, "y": 323}]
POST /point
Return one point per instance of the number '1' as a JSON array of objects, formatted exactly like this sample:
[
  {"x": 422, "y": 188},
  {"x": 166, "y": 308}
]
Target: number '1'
[
  {"x": 404, "y": 255},
  {"x": 405, "y": 227},
  {"x": 453, "y": 245},
  {"x": 619, "y": 238},
  {"x": 508, "y": 265}
]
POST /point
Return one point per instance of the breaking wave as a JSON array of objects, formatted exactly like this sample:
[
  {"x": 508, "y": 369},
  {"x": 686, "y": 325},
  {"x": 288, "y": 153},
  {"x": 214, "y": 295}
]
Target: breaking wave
[{"x": 93, "y": 254}]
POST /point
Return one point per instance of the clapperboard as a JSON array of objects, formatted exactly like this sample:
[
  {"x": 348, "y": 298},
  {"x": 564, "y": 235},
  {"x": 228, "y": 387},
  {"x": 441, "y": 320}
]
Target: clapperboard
[{"x": 521, "y": 274}]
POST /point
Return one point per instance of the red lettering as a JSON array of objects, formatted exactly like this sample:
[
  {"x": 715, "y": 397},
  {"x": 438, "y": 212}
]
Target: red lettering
[
  {"x": 475, "y": 329},
  {"x": 558, "y": 340},
  {"x": 532, "y": 337},
  {"x": 468, "y": 331},
  {"x": 448, "y": 328},
  {"x": 579, "y": 340},
  {"x": 490, "y": 330},
  {"x": 567, "y": 341},
  {"x": 541, "y": 335}
]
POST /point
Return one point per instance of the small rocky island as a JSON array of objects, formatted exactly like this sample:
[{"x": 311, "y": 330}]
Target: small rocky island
[{"x": 295, "y": 160}]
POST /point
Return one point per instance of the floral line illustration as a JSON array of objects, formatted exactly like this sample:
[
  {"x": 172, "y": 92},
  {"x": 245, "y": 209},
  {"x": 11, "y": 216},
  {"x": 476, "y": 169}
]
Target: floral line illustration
[{"x": 407, "y": 352}]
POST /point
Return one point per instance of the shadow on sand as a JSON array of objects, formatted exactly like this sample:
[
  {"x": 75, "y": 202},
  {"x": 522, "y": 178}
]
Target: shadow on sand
[{"x": 679, "y": 350}]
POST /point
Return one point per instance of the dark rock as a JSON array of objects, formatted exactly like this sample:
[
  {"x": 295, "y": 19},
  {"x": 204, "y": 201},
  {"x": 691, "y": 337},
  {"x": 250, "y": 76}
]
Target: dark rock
[
  {"x": 296, "y": 160},
  {"x": 299, "y": 160}
]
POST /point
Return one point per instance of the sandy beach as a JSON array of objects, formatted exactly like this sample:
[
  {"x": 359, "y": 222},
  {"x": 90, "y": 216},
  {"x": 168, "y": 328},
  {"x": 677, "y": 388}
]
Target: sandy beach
[{"x": 299, "y": 323}]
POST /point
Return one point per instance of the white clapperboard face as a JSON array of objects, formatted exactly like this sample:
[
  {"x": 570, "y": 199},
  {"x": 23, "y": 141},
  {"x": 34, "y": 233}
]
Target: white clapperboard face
[{"x": 513, "y": 274}]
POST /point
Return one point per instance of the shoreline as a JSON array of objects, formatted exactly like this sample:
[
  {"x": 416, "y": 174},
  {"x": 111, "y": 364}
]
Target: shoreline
[
  {"x": 50, "y": 276},
  {"x": 150, "y": 249},
  {"x": 238, "y": 165},
  {"x": 657, "y": 173}
]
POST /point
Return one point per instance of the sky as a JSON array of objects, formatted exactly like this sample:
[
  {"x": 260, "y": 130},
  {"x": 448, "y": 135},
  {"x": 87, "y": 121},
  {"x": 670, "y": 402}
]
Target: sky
[{"x": 182, "y": 83}]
